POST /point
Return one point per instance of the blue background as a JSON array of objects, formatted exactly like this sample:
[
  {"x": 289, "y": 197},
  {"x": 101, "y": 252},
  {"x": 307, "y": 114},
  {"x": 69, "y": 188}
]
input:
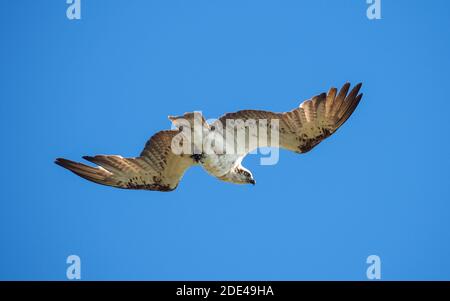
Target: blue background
[{"x": 107, "y": 82}]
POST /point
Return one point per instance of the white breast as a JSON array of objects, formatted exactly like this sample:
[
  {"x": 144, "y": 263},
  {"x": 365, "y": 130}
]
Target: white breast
[
  {"x": 219, "y": 165},
  {"x": 215, "y": 162}
]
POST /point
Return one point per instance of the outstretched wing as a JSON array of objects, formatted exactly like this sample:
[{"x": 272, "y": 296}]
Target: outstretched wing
[
  {"x": 314, "y": 120},
  {"x": 157, "y": 168}
]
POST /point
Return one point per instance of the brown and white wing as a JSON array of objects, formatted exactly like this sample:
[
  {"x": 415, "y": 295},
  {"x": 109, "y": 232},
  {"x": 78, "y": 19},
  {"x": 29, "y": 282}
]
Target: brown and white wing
[
  {"x": 314, "y": 120},
  {"x": 157, "y": 168}
]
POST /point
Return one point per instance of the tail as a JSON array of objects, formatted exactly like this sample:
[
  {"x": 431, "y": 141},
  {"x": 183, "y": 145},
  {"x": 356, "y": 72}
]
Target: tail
[{"x": 97, "y": 175}]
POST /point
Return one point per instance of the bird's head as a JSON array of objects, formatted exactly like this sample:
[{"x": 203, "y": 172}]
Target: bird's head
[
  {"x": 238, "y": 175},
  {"x": 243, "y": 176}
]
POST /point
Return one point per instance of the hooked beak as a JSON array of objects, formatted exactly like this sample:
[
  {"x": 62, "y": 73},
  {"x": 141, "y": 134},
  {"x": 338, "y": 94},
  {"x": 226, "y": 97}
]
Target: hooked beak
[{"x": 253, "y": 182}]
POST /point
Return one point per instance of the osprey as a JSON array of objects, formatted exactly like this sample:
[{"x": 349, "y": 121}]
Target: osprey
[{"x": 160, "y": 167}]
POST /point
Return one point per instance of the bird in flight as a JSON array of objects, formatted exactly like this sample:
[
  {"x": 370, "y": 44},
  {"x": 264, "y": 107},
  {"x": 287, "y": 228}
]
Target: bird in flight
[{"x": 161, "y": 164}]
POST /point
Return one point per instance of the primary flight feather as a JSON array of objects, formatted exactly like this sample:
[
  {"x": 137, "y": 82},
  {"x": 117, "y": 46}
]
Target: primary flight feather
[{"x": 161, "y": 168}]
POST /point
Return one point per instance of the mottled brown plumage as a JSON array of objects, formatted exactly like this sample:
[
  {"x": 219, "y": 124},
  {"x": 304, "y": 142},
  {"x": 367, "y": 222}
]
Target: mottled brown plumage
[
  {"x": 158, "y": 168},
  {"x": 314, "y": 120}
]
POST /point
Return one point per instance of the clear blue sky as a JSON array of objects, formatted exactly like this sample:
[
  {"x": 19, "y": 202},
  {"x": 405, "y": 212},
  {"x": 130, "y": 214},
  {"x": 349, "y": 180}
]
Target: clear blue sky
[{"x": 107, "y": 82}]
